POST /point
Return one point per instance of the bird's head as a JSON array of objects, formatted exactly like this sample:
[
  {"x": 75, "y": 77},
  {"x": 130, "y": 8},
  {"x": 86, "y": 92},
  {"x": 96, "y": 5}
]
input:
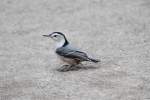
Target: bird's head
[{"x": 59, "y": 38}]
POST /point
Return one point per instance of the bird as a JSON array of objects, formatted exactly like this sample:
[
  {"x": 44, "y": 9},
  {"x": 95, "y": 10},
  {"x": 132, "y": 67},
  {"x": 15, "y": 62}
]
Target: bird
[{"x": 68, "y": 54}]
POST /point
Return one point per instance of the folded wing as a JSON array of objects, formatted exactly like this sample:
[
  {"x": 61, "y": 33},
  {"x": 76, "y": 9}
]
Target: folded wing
[{"x": 73, "y": 54}]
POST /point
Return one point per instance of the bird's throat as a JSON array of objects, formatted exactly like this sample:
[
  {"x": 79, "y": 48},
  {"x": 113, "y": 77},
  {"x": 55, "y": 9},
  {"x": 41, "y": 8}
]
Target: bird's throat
[{"x": 61, "y": 43}]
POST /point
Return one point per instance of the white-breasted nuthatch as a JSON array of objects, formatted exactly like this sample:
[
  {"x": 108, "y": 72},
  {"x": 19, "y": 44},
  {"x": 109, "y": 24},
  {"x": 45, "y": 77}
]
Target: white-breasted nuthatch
[{"x": 68, "y": 54}]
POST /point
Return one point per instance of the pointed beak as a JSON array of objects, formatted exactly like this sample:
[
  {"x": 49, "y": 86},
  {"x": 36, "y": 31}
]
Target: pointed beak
[{"x": 46, "y": 35}]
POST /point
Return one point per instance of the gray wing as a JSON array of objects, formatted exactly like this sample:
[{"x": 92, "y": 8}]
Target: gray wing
[{"x": 70, "y": 53}]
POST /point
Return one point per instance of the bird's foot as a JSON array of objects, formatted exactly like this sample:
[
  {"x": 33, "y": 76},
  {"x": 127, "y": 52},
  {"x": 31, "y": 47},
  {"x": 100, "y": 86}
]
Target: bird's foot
[
  {"x": 74, "y": 67},
  {"x": 64, "y": 68}
]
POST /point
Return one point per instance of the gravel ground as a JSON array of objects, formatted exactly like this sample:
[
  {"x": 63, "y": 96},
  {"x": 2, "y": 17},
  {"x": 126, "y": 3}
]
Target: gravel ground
[{"x": 115, "y": 31}]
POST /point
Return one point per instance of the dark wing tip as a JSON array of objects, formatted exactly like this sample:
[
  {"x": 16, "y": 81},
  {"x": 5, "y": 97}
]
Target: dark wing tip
[{"x": 94, "y": 60}]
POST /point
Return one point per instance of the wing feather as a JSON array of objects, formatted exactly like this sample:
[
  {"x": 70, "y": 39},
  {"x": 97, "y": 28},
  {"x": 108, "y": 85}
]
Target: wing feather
[{"x": 70, "y": 53}]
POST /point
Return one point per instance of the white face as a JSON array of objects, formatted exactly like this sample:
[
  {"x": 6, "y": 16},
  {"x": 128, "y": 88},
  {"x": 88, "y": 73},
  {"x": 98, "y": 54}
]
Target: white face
[{"x": 57, "y": 37}]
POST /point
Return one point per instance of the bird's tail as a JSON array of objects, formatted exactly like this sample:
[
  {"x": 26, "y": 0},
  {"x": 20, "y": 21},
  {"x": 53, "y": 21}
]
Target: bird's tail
[{"x": 93, "y": 60}]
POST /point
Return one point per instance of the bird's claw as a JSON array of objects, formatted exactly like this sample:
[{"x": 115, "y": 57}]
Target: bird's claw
[{"x": 66, "y": 68}]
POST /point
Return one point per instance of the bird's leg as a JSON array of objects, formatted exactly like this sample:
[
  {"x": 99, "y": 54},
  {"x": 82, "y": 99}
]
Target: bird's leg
[
  {"x": 74, "y": 67},
  {"x": 64, "y": 68}
]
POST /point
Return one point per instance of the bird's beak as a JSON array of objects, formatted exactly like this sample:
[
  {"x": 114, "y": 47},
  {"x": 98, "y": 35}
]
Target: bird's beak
[{"x": 46, "y": 35}]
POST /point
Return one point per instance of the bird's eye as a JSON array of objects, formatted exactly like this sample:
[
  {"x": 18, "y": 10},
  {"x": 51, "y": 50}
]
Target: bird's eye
[{"x": 55, "y": 35}]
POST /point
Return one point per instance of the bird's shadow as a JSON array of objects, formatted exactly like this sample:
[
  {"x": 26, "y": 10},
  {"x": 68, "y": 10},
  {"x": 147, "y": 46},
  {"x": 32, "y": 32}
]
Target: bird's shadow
[{"x": 76, "y": 68}]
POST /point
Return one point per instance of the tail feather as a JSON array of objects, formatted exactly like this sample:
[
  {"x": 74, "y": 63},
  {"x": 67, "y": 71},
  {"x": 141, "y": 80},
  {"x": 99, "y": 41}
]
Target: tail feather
[{"x": 94, "y": 60}]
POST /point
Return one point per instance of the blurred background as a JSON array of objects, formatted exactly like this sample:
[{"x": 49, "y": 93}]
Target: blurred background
[{"x": 116, "y": 31}]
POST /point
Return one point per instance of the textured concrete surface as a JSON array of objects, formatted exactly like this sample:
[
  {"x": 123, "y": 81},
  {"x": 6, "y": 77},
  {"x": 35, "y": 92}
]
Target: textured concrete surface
[{"x": 116, "y": 31}]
